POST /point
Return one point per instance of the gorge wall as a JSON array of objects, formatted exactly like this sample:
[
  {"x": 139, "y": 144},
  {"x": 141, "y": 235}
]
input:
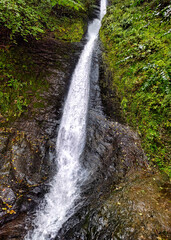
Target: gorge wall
[{"x": 124, "y": 197}]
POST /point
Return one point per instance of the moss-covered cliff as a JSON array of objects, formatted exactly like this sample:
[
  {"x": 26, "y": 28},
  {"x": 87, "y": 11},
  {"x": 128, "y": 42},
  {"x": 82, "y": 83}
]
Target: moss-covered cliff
[
  {"x": 22, "y": 23},
  {"x": 135, "y": 37}
]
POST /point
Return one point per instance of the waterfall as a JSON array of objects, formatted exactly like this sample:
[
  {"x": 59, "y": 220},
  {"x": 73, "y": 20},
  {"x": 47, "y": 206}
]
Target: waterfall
[{"x": 59, "y": 204}]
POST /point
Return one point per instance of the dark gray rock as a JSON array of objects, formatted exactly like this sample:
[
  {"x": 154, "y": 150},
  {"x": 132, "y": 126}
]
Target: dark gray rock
[
  {"x": 27, "y": 146},
  {"x": 122, "y": 198},
  {"x": 134, "y": 209}
]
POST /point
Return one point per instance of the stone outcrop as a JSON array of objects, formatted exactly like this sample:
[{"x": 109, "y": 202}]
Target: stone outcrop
[
  {"x": 27, "y": 145},
  {"x": 122, "y": 198}
]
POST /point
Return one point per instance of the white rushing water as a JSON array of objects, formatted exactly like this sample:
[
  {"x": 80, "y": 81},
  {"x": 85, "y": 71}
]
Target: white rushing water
[{"x": 58, "y": 205}]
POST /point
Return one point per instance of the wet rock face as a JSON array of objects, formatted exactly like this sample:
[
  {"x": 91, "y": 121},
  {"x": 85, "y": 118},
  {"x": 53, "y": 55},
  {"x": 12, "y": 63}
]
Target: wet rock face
[
  {"x": 112, "y": 151},
  {"x": 24, "y": 162},
  {"x": 122, "y": 197},
  {"x": 27, "y": 146},
  {"x": 13, "y": 229},
  {"x": 111, "y": 101},
  {"x": 136, "y": 209},
  {"x": 125, "y": 198}
]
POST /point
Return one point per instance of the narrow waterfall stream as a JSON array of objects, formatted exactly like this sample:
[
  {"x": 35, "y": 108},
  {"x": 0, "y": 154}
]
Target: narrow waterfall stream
[{"x": 59, "y": 204}]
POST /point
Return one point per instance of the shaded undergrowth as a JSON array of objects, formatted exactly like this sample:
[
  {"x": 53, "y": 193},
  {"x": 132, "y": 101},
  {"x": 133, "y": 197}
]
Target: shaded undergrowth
[
  {"x": 136, "y": 40},
  {"x": 21, "y": 81},
  {"x": 20, "y": 78}
]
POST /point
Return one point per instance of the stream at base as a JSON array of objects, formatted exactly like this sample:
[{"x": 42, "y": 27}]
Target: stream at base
[{"x": 63, "y": 198}]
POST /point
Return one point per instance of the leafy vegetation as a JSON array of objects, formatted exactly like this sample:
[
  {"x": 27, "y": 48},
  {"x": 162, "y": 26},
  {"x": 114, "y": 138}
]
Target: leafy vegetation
[
  {"x": 32, "y": 18},
  {"x": 26, "y": 20},
  {"x": 136, "y": 37}
]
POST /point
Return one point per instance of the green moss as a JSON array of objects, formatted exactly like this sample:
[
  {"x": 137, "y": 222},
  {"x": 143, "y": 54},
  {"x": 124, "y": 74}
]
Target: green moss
[
  {"x": 69, "y": 29},
  {"x": 136, "y": 41},
  {"x": 20, "y": 79},
  {"x": 19, "y": 83}
]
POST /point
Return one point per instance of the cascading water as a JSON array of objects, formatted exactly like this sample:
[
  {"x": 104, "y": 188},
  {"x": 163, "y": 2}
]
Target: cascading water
[{"x": 59, "y": 204}]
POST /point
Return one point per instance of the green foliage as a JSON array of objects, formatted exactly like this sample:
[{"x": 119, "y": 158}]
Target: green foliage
[
  {"x": 24, "y": 17},
  {"x": 138, "y": 2},
  {"x": 28, "y": 18},
  {"x": 136, "y": 38},
  {"x": 31, "y": 18},
  {"x": 77, "y": 5}
]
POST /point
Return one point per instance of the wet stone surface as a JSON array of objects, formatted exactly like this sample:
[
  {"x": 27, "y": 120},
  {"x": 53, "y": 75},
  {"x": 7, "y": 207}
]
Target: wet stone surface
[
  {"x": 27, "y": 146},
  {"x": 123, "y": 198}
]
